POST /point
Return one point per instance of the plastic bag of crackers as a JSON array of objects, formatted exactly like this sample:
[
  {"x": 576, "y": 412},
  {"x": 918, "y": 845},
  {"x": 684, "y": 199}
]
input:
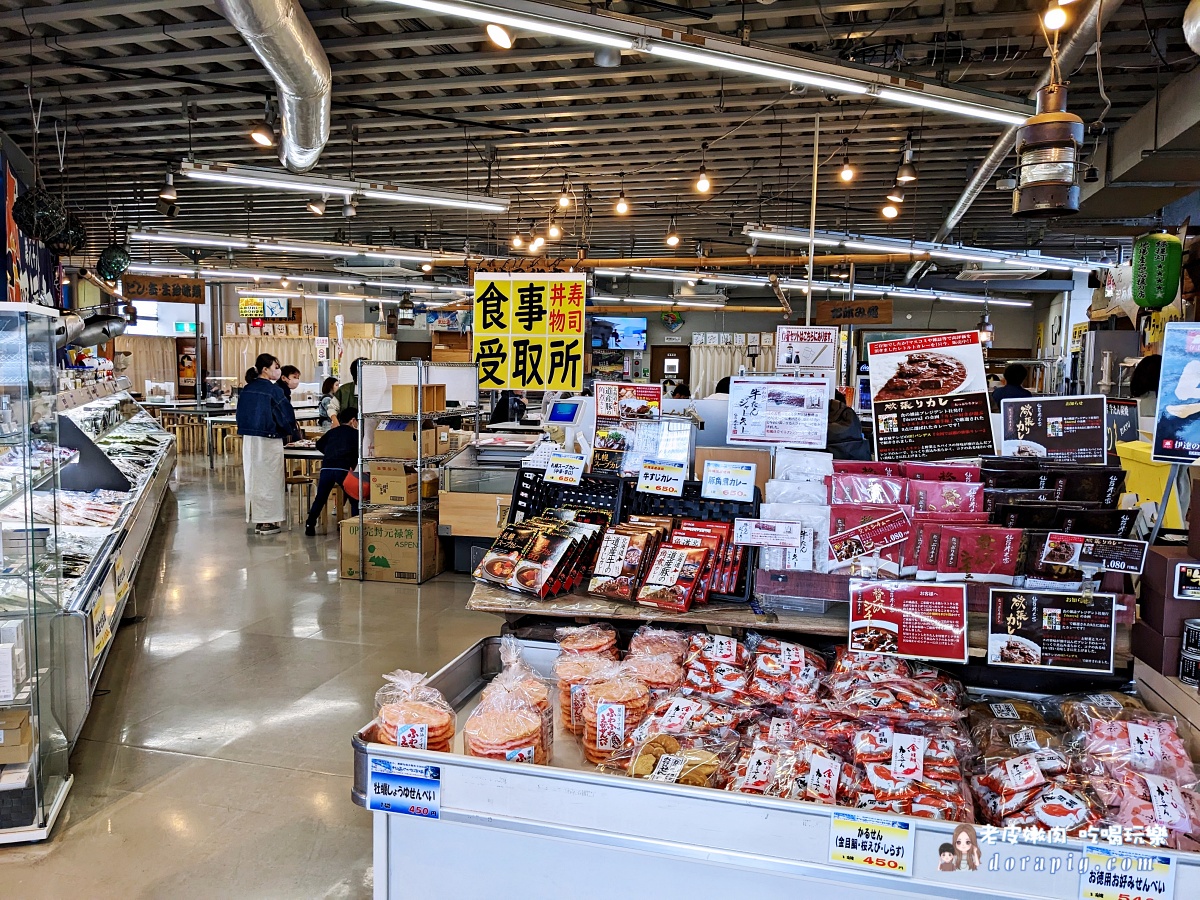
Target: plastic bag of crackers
[
  {"x": 409, "y": 713},
  {"x": 651, "y": 641},
  {"x": 572, "y": 672},
  {"x": 520, "y": 681},
  {"x": 506, "y": 728},
  {"x": 600, "y": 639},
  {"x": 612, "y": 708}
]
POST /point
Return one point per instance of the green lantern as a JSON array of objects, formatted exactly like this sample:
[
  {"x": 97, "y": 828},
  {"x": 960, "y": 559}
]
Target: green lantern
[{"x": 1157, "y": 266}]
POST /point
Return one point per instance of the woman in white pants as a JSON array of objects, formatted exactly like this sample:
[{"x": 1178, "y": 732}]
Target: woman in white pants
[{"x": 265, "y": 422}]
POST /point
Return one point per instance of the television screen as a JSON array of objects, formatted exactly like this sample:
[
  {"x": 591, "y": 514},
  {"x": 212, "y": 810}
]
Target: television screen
[{"x": 619, "y": 332}]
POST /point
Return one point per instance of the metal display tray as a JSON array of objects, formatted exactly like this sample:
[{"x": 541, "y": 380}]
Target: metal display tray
[{"x": 567, "y": 830}]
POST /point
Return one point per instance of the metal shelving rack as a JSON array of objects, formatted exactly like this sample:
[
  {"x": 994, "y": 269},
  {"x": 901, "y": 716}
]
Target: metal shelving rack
[{"x": 423, "y": 508}]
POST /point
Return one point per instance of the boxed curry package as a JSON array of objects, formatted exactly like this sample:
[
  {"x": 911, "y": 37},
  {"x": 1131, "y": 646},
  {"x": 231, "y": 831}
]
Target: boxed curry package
[
  {"x": 674, "y": 577},
  {"x": 544, "y": 556}
]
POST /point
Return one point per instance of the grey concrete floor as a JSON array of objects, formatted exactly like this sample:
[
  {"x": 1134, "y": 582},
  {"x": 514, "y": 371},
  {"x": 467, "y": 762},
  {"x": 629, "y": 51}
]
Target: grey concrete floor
[{"x": 216, "y": 759}]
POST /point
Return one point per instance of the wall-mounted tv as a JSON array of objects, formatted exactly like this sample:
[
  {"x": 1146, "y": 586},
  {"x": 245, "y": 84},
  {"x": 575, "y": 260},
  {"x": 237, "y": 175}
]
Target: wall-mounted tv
[{"x": 619, "y": 333}]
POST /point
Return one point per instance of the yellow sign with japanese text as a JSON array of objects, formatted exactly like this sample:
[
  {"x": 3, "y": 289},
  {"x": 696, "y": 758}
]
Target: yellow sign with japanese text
[
  {"x": 162, "y": 288},
  {"x": 528, "y": 331}
]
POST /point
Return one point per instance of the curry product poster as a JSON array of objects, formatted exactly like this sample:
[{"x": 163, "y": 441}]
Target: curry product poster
[
  {"x": 929, "y": 398},
  {"x": 1061, "y": 429},
  {"x": 1177, "y": 418},
  {"x": 909, "y": 618},
  {"x": 1064, "y": 630},
  {"x": 529, "y": 331}
]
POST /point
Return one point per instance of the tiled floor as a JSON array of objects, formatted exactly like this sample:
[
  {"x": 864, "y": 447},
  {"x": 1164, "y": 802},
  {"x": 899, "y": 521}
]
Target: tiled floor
[{"x": 216, "y": 759}]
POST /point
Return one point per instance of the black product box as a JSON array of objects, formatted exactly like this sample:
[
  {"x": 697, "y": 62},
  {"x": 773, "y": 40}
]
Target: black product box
[{"x": 1160, "y": 609}]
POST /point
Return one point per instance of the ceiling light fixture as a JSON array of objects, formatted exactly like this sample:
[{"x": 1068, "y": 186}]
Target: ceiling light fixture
[
  {"x": 622, "y": 207},
  {"x": 536, "y": 243},
  {"x": 889, "y": 211},
  {"x": 553, "y": 232},
  {"x": 426, "y": 267},
  {"x": 517, "y": 241},
  {"x": 263, "y": 132},
  {"x": 499, "y": 36},
  {"x": 703, "y": 185},
  {"x": 986, "y": 330},
  {"x": 1055, "y": 18},
  {"x": 190, "y": 239},
  {"x": 672, "y": 238},
  {"x": 1048, "y": 146},
  {"x": 317, "y": 207},
  {"x": 907, "y": 173},
  {"x": 789, "y": 235},
  {"x": 896, "y": 194},
  {"x": 282, "y": 180},
  {"x": 350, "y": 207},
  {"x": 847, "y": 172},
  {"x": 729, "y": 55},
  {"x": 168, "y": 191},
  {"x": 564, "y": 195}
]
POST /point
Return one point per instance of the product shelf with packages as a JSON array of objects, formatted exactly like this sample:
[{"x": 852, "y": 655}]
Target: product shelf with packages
[
  {"x": 404, "y": 410},
  {"x": 761, "y": 765}
]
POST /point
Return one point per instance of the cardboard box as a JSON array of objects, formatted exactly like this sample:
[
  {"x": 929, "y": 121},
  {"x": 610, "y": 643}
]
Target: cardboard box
[
  {"x": 760, "y": 458},
  {"x": 10, "y": 682},
  {"x": 390, "y": 549},
  {"x": 1158, "y": 651},
  {"x": 404, "y": 399},
  {"x": 399, "y": 440},
  {"x": 16, "y": 740},
  {"x": 1160, "y": 608},
  {"x": 392, "y": 484}
]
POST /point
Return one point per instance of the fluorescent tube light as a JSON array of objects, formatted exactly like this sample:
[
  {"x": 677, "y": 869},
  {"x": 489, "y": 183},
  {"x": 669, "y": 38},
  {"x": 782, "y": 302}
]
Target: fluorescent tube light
[
  {"x": 280, "y": 180},
  {"x": 527, "y": 23},
  {"x": 925, "y": 101},
  {"x": 749, "y": 67},
  {"x": 191, "y": 239}
]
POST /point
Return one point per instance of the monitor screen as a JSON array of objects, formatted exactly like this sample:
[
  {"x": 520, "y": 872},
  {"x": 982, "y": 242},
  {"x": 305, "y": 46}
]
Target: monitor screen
[
  {"x": 563, "y": 413},
  {"x": 619, "y": 332}
]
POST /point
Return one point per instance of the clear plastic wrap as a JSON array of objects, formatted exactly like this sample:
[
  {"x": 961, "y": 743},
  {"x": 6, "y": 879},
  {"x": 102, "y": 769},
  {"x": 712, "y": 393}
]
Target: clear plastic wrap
[
  {"x": 781, "y": 491},
  {"x": 1079, "y": 710},
  {"x": 599, "y": 638},
  {"x": 651, "y": 641},
  {"x": 661, "y": 673},
  {"x": 573, "y": 671},
  {"x": 506, "y": 728},
  {"x": 802, "y": 465},
  {"x": 412, "y": 714},
  {"x": 783, "y": 672},
  {"x": 698, "y": 760},
  {"x": 612, "y": 709}
]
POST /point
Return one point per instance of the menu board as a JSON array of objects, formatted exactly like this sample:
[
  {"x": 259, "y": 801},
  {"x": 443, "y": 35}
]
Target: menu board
[
  {"x": 792, "y": 411},
  {"x": 1122, "y": 418},
  {"x": 809, "y": 349},
  {"x": 619, "y": 407},
  {"x": 1062, "y": 429},
  {"x": 1177, "y": 418},
  {"x": 1063, "y": 630},
  {"x": 911, "y": 619},
  {"x": 929, "y": 398}
]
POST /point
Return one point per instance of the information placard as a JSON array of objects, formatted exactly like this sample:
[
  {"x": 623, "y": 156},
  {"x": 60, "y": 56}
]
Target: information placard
[
  {"x": 1062, "y": 429},
  {"x": 1177, "y": 418},
  {"x": 1124, "y": 873},
  {"x": 1187, "y": 581},
  {"x": 662, "y": 476},
  {"x": 805, "y": 347},
  {"x": 409, "y": 789},
  {"x": 910, "y": 619},
  {"x": 619, "y": 407},
  {"x": 763, "y": 533},
  {"x": 565, "y": 468},
  {"x": 871, "y": 842},
  {"x": 792, "y": 411},
  {"x": 1066, "y": 630},
  {"x": 870, "y": 536},
  {"x": 728, "y": 481},
  {"x": 1084, "y": 551}
]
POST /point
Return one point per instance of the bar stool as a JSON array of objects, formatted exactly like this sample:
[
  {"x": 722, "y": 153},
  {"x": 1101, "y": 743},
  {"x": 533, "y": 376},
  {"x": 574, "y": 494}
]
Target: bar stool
[{"x": 302, "y": 487}]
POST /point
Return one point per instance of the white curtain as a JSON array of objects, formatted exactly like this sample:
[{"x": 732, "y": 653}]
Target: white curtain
[
  {"x": 153, "y": 359},
  {"x": 238, "y": 352},
  {"x": 712, "y": 362}
]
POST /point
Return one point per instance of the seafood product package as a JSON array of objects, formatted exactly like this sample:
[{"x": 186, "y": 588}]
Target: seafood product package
[{"x": 410, "y": 713}]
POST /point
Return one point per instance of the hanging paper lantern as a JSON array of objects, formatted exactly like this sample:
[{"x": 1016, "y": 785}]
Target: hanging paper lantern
[
  {"x": 39, "y": 214},
  {"x": 70, "y": 239},
  {"x": 1157, "y": 266},
  {"x": 113, "y": 261}
]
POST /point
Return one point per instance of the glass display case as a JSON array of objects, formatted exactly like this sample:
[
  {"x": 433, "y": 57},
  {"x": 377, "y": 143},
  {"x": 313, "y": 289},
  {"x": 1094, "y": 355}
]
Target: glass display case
[{"x": 34, "y": 776}]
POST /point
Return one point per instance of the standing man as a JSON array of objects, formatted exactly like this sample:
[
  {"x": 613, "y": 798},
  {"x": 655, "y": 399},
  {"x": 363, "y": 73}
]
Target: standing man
[{"x": 1013, "y": 387}]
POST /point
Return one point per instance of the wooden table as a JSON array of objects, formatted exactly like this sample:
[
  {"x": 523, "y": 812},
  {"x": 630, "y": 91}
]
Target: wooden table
[{"x": 303, "y": 414}]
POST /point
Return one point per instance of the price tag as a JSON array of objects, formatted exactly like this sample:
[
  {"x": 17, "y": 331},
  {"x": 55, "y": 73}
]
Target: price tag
[
  {"x": 565, "y": 468},
  {"x": 663, "y": 477},
  {"x": 872, "y": 843},
  {"x": 409, "y": 789},
  {"x": 1124, "y": 873},
  {"x": 728, "y": 481},
  {"x": 1107, "y": 553}
]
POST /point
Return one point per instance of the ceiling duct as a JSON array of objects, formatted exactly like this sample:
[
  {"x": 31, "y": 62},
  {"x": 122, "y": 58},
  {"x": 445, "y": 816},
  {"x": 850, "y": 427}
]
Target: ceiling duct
[
  {"x": 982, "y": 272},
  {"x": 283, "y": 39},
  {"x": 1090, "y": 23}
]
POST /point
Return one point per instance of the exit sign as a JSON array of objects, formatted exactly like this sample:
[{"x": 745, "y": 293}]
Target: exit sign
[{"x": 185, "y": 327}]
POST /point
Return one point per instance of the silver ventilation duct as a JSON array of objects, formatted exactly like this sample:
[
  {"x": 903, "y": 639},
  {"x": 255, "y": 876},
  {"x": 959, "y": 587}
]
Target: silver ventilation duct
[{"x": 282, "y": 38}]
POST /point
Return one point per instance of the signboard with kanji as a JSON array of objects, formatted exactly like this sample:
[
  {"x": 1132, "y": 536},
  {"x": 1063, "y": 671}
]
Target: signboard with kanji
[
  {"x": 852, "y": 312},
  {"x": 529, "y": 331},
  {"x": 162, "y": 288}
]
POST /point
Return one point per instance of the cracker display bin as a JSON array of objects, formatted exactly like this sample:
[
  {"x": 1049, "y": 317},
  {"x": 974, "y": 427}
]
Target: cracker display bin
[{"x": 522, "y": 830}]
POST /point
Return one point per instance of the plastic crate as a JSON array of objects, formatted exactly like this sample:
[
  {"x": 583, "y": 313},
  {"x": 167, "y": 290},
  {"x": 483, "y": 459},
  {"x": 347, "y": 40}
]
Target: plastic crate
[
  {"x": 690, "y": 505},
  {"x": 532, "y": 496}
]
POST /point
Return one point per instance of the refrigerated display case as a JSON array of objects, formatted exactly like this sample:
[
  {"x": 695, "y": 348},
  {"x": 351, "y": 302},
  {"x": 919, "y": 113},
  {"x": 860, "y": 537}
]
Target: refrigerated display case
[{"x": 34, "y": 749}]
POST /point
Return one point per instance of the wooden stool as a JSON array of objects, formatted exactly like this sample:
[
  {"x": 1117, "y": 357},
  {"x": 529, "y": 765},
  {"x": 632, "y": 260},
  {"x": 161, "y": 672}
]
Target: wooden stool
[{"x": 303, "y": 489}]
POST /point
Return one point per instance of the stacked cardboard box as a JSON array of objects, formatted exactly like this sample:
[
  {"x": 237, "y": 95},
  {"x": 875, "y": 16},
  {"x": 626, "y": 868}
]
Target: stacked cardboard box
[{"x": 1158, "y": 633}]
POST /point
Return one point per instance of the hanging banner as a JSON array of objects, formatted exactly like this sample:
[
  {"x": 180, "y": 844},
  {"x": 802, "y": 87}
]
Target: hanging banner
[
  {"x": 929, "y": 397},
  {"x": 1177, "y": 418},
  {"x": 529, "y": 331},
  {"x": 162, "y": 288}
]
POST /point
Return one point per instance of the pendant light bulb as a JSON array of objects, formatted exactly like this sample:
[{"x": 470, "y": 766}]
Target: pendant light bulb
[
  {"x": 1055, "y": 18},
  {"x": 536, "y": 244},
  {"x": 622, "y": 207},
  {"x": 703, "y": 185},
  {"x": 847, "y": 174},
  {"x": 499, "y": 36},
  {"x": 517, "y": 242},
  {"x": 426, "y": 267},
  {"x": 553, "y": 231},
  {"x": 672, "y": 238},
  {"x": 564, "y": 196},
  {"x": 890, "y": 211},
  {"x": 907, "y": 173}
]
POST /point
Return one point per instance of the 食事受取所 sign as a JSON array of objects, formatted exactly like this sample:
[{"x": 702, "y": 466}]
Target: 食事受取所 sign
[{"x": 529, "y": 331}]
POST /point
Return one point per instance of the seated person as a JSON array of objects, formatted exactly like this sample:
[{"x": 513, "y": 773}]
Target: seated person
[
  {"x": 1013, "y": 387},
  {"x": 339, "y": 456}
]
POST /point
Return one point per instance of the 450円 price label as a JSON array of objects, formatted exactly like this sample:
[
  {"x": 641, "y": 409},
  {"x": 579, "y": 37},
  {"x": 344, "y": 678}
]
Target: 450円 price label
[
  {"x": 873, "y": 843},
  {"x": 405, "y": 788}
]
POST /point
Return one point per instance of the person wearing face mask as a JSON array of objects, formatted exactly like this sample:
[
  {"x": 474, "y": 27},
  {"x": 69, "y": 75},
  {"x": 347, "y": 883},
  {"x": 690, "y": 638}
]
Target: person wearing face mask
[
  {"x": 265, "y": 421},
  {"x": 289, "y": 380}
]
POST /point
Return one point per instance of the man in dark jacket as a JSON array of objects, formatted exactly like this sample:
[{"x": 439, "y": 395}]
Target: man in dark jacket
[
  {"x": 339, "y": 456},
  {"x": 844, "y": 437}
]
